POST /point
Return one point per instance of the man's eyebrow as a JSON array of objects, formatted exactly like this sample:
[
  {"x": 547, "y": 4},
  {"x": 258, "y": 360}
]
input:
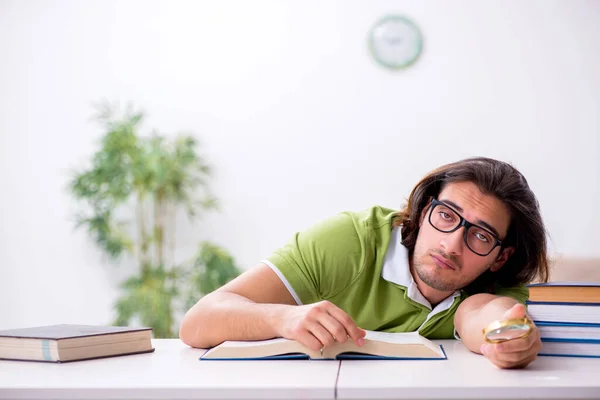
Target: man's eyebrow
[{"x": 478, "y": 222}]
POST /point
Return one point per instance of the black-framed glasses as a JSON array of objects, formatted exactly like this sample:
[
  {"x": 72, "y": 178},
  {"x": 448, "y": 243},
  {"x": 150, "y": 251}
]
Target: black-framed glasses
[{"x": 478, "y": 239}]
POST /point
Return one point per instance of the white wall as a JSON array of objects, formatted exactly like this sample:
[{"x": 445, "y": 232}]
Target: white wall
[{"x": 296, "y": 119}]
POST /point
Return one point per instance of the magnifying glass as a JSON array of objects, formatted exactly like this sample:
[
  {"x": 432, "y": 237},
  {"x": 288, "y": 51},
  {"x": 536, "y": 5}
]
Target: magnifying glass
[{"x": 501, "y": 331}]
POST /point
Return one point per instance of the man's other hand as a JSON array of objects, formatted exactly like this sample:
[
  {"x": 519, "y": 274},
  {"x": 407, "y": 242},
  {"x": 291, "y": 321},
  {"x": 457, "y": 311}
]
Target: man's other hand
[
  {"x": 319, "y": 325},
  {"x": 516, "y": 353}
]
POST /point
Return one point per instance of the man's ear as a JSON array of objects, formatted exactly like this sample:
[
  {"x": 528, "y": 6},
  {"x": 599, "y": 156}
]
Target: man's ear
[{"x": 502, "y": 258}]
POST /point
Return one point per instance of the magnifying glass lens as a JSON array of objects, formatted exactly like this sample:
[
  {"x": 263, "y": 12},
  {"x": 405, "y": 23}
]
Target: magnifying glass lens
[
  {"x": 508, "y": 332},
  {"x": 500, "y": 331}
]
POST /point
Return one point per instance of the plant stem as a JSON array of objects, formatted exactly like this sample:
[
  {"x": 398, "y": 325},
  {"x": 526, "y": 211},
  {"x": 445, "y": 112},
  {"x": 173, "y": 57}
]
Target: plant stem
[
  {"x": 172, "y": 215},
  {"x": 159, "y": 227},
  {"x": 142, "y": 240}
]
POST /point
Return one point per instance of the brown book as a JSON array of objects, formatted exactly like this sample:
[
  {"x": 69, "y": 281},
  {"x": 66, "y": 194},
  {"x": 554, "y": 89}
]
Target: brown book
[
  {"x": 64, "y": 343},
  {"x": 565, "y": 292}
]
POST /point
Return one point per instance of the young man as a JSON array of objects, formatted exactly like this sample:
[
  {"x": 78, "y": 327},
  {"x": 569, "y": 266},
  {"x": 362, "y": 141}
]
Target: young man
[{"x": 454, "y": 259}]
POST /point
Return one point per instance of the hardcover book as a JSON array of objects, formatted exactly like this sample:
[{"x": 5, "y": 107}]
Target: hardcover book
[
  {"x": 63, "y": 343},
  {"x": 565, "y": 292}
]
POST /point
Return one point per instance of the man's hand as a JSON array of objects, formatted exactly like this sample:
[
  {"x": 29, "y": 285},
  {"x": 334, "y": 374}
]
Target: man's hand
[
  {"x": 319, "y": 325},
  {"x": 516, "y": 353}
]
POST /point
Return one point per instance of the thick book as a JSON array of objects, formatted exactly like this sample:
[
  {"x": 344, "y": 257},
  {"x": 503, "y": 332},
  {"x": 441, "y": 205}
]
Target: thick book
[
  {"x": 568, "y": 331},
  {"x": 377, "y": 345},
  {"x": 565, "y": 292},
  {"x": 582, "y": 313},
  {"x": 64, "y": 343},
  {"x": 570, "y": 348}
]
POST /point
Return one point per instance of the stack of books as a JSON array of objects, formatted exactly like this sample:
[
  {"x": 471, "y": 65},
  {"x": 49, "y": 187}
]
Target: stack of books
[{"x": 567, "y": 315}]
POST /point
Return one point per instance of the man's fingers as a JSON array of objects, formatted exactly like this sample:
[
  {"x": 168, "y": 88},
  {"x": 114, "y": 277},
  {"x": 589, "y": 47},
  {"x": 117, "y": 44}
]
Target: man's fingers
[
  {"x": 349, "y": 325},
  {"x": 519, "y": 345},
  {"x": 516, "y": 311},
  {"x": 516, "y": 353},
  {"x": 521, "y": 363},
  {"x": 526, "y": 361},
  {"x": 309, "y": 340},
  {"x": 513, "y": 346},
  {"x": 319, "y": 331},
  {"x": 514, "y": 357},
  {"x": 334, "y": 327}
]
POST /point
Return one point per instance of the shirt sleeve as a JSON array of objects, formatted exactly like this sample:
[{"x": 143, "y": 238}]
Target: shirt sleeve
[
  {"x": 321, "y": 261},
  {"x": 519, "y": 293}
]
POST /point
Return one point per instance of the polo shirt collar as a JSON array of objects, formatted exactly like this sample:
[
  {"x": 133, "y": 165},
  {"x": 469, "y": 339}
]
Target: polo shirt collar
[{"x": 396, "y": 269}]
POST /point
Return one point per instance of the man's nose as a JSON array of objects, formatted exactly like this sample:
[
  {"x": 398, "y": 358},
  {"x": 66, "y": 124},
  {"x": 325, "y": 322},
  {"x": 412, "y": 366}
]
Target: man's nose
[{"x": 453, "y": 242}]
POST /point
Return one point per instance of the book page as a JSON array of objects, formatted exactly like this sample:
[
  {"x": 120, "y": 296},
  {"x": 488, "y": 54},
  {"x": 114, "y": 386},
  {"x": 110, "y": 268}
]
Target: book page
[
  {"x": 388, "y": 345},
  {"x": 257, "y": 349},
  {"x": 398, "y": 338},
  {"x": 252, "y": 343}
]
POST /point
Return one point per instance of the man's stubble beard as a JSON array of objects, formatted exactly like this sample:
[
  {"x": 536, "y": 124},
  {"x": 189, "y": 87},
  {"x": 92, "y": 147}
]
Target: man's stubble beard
[{"x": 431, "y": 279}]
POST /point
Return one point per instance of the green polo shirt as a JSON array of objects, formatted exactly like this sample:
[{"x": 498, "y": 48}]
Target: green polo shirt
[{"x": 356, "y": 261}]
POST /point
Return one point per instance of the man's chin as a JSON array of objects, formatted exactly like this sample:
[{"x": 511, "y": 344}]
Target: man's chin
[
  {"x": 440, "y": 286},
  {"x": 431, "y": 275}
]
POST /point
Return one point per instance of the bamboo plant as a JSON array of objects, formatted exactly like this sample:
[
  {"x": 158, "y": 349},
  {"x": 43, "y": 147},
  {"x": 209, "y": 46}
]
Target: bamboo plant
[{"x": 131, "y": 195}]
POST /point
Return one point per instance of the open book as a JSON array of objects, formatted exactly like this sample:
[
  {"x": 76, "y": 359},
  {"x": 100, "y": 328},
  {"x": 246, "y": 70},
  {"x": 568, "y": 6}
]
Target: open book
[{"x": 378, "y": 345}]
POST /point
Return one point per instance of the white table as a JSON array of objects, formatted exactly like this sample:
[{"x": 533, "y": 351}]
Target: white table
[
  {"x": 173, "y": 371},
  {"x": 466, "y": 375}
]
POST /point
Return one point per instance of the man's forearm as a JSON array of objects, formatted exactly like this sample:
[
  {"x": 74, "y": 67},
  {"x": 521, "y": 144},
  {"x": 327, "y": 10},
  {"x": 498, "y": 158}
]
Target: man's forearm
[
  {"x": 222, "y": 316},
  {"x": 472, "y": 323}
]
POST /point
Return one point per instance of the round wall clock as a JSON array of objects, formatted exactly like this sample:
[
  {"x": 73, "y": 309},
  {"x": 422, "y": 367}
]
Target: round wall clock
[{"x": 395, "y": 42}]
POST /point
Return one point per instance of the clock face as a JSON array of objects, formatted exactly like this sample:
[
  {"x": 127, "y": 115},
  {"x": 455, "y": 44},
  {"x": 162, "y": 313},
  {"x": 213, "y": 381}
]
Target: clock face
[{"x": 395, "y": 42}]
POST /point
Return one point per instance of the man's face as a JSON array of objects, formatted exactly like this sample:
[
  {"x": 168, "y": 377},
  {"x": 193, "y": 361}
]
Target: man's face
[{"x": 442, "y": 260}]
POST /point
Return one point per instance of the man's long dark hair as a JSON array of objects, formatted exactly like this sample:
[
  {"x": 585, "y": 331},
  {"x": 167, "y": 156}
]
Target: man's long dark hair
[{"x": 526, "y": 232}]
